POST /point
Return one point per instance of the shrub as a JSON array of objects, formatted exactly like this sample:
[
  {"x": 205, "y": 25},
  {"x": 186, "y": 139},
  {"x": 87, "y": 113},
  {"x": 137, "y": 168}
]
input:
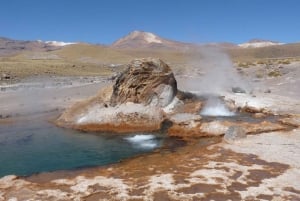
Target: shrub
[
  {"x": 274, "y": 73},
  {"x": 261, "y": 62},
  {"x": 286, "y": 62},
  {"x": 246, "y": 64}
]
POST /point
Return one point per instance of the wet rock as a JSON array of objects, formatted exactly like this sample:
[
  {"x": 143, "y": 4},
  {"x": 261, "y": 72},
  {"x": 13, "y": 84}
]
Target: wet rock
[
  {"x": 238, "y": 90},
  {"x": 185, "y": 125},
  {"x": 234, "y": 134},
  {"x": 147, "y": 81}
]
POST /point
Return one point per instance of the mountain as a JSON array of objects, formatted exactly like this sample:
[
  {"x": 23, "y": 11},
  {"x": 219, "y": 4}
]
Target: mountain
[
  {"x": 255, "y": 43},
  {"x": 142, "y": 44},
  {"x": 147, "y": 40},
  {"x": 10, "y": 46}
]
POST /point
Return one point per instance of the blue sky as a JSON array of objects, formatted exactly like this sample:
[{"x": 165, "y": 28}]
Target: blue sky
[{"x": 104, "y": 21}]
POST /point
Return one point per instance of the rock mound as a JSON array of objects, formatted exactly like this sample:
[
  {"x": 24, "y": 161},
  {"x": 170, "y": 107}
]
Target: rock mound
[{"x": 133, "y": 103}]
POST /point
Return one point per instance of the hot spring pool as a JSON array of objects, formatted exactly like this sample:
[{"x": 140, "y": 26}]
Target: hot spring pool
[{"x": 33, "y": 146}]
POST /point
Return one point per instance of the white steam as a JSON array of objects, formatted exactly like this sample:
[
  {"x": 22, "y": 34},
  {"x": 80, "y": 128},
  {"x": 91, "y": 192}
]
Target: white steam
[
  {"x": 213, "y": 72},
  {"x": 215, "y": 107}
]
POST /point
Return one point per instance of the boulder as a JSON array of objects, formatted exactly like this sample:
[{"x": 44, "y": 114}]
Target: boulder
[{"x": 146, "y": 81}]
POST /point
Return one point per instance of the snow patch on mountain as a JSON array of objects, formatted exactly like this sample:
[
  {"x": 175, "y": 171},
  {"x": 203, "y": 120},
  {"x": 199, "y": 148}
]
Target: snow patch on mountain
[
  {"x": 59, "y": 43},
  {"x": 257, "y": 44},
  {"x": 151, "y": 38}
]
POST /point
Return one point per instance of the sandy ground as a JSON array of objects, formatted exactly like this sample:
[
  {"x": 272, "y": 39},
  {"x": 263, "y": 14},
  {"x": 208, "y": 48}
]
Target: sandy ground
[
  {"x": 260, "y": 167},
  {"x": 41, "y": 95}
]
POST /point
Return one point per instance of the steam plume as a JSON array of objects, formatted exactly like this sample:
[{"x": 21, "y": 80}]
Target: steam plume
[{"x": 217, "y": 77}]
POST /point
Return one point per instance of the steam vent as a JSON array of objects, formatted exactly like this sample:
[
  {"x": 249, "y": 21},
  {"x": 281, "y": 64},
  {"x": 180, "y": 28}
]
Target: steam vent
[{"x": 145, "y": 98}]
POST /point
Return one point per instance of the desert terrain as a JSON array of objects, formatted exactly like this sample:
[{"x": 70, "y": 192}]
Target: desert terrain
[{"x": 263, "y": 165}]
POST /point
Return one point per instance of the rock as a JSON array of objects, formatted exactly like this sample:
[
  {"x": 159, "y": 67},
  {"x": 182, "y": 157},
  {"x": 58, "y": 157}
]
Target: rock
[
  {"x": 5, "y": 76},
  {"x": 147, "y": 81},
  {"x": 251, "y": 109},
  {"x": 238, "y": 90},
  {"x": 234, "y": 134},
  {"x": 267, "y": 91},
  {"x": 185, "y": 125}
]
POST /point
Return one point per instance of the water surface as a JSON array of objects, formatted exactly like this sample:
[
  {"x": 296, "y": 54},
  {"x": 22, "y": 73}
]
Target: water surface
[{"x": 34, "y": 145}]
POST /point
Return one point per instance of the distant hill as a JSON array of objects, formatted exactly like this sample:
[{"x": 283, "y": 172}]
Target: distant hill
[{"x": 11, "y": 47}]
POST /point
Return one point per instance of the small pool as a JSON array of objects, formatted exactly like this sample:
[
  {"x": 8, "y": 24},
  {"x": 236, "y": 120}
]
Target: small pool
[{"x": 35, "y": 145}]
